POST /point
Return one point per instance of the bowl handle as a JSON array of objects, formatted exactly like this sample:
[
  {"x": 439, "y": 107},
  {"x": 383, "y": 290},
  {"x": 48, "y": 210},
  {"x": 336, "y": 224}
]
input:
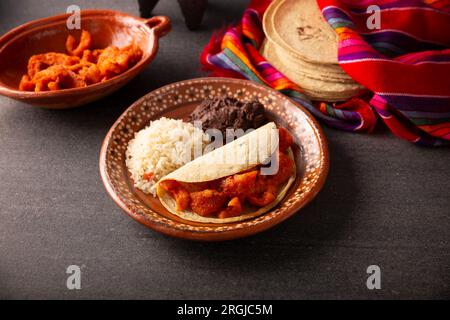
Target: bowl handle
[{"x": 160, "y": 25}]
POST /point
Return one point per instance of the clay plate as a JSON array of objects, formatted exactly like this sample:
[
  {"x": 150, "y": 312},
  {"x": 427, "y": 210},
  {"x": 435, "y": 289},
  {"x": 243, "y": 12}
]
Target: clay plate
[
  {"x": 46, "y": 35},
  {"x": 177, "y": 101}
]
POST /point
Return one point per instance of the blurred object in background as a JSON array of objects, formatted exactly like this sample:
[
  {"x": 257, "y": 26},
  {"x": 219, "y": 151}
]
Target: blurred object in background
[
  {"x": 146, "y": 7},
  {"x": 193, "y": 10}
]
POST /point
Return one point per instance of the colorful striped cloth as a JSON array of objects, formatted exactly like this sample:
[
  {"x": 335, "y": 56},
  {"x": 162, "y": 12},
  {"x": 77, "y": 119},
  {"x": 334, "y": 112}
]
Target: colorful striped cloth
[{"x": 405, "y": 64}]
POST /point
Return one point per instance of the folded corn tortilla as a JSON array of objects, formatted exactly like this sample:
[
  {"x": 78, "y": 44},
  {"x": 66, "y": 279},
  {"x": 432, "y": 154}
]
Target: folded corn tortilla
[{"x": 243, "y": 154}]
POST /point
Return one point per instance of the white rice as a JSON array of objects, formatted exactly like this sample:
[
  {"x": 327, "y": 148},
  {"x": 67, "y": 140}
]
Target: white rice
[{"x": 161, "y": 148}]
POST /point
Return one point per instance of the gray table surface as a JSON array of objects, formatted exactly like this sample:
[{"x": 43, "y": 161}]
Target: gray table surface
[{"x": 386, "y": 202}]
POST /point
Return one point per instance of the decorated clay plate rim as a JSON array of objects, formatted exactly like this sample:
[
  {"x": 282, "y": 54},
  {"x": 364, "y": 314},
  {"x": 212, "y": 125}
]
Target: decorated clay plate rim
[{"x": 220, "y": 232}]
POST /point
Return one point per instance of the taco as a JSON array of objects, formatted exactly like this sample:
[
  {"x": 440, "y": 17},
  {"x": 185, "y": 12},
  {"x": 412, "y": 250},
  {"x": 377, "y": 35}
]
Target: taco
[{"x": 241, "y": 180}]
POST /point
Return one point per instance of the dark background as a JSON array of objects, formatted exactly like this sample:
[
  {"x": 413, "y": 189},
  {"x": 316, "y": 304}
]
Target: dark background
[{"x": 386, "y": 202}]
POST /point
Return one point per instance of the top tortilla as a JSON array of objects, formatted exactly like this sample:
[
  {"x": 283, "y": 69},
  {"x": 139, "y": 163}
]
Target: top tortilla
[
  {"x": 242, "y": 154},
  {"x": 299, "y": 25}
]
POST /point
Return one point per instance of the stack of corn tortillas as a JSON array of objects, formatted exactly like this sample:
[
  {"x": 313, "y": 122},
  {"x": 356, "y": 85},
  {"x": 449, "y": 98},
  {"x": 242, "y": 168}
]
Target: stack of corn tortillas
[{"x": 303, "y": 46}]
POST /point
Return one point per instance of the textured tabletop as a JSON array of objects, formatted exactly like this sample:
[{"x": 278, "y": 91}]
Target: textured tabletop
[{"x": 386, "y": 202}]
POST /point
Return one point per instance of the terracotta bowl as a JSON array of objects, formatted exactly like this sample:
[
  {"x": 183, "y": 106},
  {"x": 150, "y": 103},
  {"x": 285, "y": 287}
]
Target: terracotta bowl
[
  {"x": 177, "y": 101},
  {"x": 49, "y": 35}
]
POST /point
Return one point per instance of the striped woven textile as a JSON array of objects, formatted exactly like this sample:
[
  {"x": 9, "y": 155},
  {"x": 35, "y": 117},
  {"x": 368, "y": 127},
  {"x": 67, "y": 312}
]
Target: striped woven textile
[{"x": 405, "y": 65}]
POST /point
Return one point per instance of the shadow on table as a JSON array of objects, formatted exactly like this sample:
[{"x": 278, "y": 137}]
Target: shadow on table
[
  {"x": 4, "y": 288},
  {"x": 103, "y": 113},
  {"x": 323, "y": 222}
]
